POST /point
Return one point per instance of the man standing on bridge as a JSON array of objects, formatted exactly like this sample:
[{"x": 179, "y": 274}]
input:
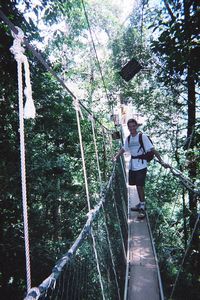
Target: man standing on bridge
[{"x": 138, "y": 163}]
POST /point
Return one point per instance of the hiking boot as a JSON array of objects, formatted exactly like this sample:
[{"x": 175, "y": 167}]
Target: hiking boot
[
  {"x": 138, "y": 207},
  {"x": 141, "y": 214}
]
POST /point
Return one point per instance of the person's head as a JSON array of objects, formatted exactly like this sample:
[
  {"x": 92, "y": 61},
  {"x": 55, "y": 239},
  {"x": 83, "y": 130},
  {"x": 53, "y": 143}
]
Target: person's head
[
  {"x": 132, "y": 125},
  {"x": 133, "y": 122}
]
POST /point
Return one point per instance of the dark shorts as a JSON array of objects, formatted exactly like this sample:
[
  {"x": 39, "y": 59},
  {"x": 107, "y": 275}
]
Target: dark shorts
[{"x": 137, "y": 177}]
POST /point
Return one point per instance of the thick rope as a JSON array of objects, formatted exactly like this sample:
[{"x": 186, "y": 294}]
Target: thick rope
[
  {"x": 18, "y": 50},
  {"x": 47, "y": 67},
  {"x": 120, "y": 231},
  {"x": 50, "y": 281},
  {"x": 97, "y": 263},
  {"x": 184, "y": 180},
  {"x": 87, "y": 195},
  {"x": 123, "y": 170},
  {"x": 101, "y": 191},
  {"x": 76, "y": 106},
  {"x": 23, "y": 180},
  {"x": 96, "y": 151}
]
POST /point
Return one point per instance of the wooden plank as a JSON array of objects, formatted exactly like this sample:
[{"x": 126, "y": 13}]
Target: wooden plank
[{"x": 143, "y": 279}]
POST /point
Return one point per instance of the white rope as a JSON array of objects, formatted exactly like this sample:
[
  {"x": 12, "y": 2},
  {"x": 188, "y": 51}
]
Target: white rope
[
  {"x": 97, "y": 263},
  {"x": 19, "y": 58},
  {"x": 184, "y": 180},
  {"x": 76, "y": 106},
  {"x": 118, "y": 219},
  {"x": 96, "y": 151},
  {"x": 101, "y": 190},
  {"x": 18, "y": 52},
  {"x": 82, "y": 154},
  {"x": 123, "y": 170}
]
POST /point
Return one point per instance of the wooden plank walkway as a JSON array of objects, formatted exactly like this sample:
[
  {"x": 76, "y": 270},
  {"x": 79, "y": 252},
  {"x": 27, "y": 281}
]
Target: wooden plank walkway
[
  {"x": 143, "y": 283},
  {"x": 143, "y": 278}
]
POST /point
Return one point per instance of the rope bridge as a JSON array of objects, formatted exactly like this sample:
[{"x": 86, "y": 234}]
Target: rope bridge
[
  {"x": 77, "y": 275},
  {"x": 171, "y": 225},
  {"x": 95, "y": 265},
  {"x": 100, "y": 250}
]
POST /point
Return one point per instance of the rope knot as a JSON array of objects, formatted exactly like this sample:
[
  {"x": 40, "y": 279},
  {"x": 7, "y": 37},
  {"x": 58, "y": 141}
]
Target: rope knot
[
  {"x": 18, "y": 51},
  {"x": 77, "y": 107},
  {"x": 91, "y": 118}
]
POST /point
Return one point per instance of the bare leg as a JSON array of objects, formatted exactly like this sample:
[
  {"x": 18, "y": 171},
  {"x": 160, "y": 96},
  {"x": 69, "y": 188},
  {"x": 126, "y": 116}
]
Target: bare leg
[{"x": 140, "y": 190}]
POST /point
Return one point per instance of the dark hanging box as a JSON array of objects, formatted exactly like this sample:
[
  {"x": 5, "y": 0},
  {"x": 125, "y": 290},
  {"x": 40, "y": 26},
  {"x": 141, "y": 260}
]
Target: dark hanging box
[
  {"x": 130, "y": 69},
  {"x": 116, "y": 135}
]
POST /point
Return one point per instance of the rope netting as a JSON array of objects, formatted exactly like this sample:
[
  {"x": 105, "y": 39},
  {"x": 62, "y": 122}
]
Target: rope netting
[
  {"x": 95, "y": 266},
  {"x": 75, "y": 275},
  {"x": 170, "y": 217}
]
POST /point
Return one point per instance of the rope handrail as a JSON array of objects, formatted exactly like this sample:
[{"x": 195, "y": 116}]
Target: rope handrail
[
  {"x": 36, "y": 292},
  {"x": 48, "y": 68},
  {"x": 183, "y": 179}
]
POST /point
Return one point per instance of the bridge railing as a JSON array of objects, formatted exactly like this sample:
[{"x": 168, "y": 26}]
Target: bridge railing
[{"x": 94, "y": 267}]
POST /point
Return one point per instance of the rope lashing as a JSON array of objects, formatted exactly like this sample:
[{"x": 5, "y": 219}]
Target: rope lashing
[
  {"x": 18, "y": 50},
  {"x": 77, "y": 107}
]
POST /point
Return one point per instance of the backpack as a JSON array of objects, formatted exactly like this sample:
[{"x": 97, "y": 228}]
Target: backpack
[{"x": 148, "y": 156}]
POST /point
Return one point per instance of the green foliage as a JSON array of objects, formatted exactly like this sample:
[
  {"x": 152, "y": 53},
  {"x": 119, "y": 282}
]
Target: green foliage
[{"x": 55, "y": 184}]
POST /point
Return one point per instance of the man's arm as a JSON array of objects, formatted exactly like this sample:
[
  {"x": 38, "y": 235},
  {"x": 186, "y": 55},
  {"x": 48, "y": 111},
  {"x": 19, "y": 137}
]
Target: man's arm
[
  {"x": 157, "y": 154},
  {"x": 121, "y": 151}
]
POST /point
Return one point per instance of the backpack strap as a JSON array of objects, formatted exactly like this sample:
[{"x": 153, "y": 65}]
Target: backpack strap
[
  {"x": 141, "y": 142},
  {"x": 129, "y": 139}
]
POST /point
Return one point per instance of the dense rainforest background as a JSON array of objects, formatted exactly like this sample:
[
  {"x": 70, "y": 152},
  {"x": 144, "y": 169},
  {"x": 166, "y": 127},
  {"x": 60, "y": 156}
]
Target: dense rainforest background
[{"x": 86, "y": 43}]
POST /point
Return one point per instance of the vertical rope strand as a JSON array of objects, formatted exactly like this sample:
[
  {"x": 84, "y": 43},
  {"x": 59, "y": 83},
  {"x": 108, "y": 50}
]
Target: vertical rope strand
[
  {"x": 83, "y": 158},
  {"x": 118, "y": 219},
  {"x": 101, "y": 190},
  {"x": 88, "y": 197},
  {"x": 97, "y": 263},
  {"x": 96, "y": 153},
  {"x": 23, "y": 176}
]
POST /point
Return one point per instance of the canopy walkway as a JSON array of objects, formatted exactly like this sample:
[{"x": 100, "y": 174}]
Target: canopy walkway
[
  {"x": 132, "y": 270},
  {"x": 114, "y": 255},
  {"x": 144, "y": 280}
]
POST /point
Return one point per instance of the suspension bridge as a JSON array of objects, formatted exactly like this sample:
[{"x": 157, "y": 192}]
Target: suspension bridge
[
  {"x": 114, "y": 250},
  {"x": 123, "y": 256}
]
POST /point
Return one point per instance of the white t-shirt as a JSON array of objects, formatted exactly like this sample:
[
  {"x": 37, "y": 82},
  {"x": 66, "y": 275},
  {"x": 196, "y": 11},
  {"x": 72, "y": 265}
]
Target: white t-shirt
[{"x": 133, "y": 146}]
